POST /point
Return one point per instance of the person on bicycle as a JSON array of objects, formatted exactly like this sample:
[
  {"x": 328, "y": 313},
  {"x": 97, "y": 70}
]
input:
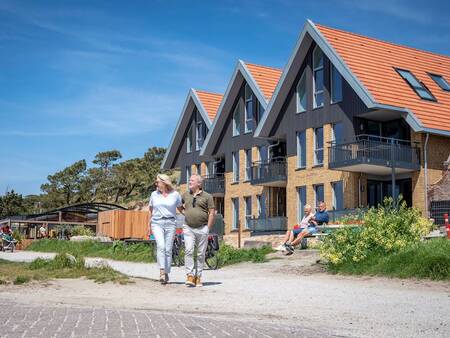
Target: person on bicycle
[
  {"x": 163, "y": 205},
  {"x": 199, "y": 212}
]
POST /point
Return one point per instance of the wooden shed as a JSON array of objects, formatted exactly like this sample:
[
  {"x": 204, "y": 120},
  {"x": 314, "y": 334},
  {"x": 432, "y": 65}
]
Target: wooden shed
[{"x": 120, "y": 224}]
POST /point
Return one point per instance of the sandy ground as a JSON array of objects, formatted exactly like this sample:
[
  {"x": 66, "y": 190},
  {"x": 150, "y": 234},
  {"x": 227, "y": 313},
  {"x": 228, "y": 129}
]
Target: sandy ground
[{"x": 286, "y": 290}]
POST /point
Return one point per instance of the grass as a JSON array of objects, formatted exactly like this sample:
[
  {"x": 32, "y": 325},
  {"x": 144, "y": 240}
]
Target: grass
[
  {"x": 117, "y": 250},
  {"x": 229, "y": 255},
  {"x": 424, "y": 260},
  {"x": 62, "y": 266}
]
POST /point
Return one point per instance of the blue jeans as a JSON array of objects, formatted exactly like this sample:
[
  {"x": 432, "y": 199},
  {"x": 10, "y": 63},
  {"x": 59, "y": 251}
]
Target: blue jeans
[{"x": 310, "y": 229}]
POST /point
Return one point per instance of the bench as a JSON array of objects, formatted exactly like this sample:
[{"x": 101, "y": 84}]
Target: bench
[{"x": 323, "y": 231}]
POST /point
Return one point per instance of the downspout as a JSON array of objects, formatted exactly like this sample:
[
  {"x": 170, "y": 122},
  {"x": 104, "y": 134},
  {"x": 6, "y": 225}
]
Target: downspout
[{"x": 425, "y": 166}]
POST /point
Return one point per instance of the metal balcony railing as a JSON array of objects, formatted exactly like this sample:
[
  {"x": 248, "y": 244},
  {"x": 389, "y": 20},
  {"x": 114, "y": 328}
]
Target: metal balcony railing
[
  {"x": 269, "y": 171},
  {"x": 214, "y": 184},
  {"x": 268, "y": 224},
  {"x": 375, "y": 150}
]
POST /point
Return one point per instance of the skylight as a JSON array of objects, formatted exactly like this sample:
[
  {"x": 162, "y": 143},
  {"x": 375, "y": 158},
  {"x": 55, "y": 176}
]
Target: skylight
[
  {"x": 418, "y": 87},
  {"x": 441, "y": 82}
]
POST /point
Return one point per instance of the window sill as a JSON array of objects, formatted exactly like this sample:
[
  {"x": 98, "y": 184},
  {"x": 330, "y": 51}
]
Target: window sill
[
  {"x": 248, "y": 132},
  {"x": 318, "y": 165},
  {"x": 300, "y": 168},
  {"x": 301, "y": 111},
  {"x": 246, "y": 181},
  {"x": 236, "y": 135},
  {"x": 336, "y": 102},
  {"x": 234, "y": 230},
  {"x": 235, "y": 182},
  {"x": 315, "y": 108}
]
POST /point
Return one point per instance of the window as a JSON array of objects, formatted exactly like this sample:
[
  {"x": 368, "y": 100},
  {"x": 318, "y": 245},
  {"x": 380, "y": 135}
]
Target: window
[
  {"x": 302, "y": 99},
  {"x": 337, "y": 135},
  {"x": 261, "y": 199},
  {"x": 189, "y": 140},
  {"x": 210, "y": 169},
  {"x": 318, "y": 77},
  {"x": 441, "y": 82},
  {"x": 336, "y": 85},
  {"x": 338, "y": 195},
  {"x": 260, "y": 112},
  {"x": 198, "y": 167},
  {"x": 188, "y": 173},
  {"x": 235, "y": 156},
  {"x": 301, "y": 149},
  {"x": 235, "y": 203},
  {"x": 248, "y": 164},
  {"x": 200, "y": 131},
  {"x": 236, "y": 122},
  {"x": 301, "y": 202},
  {"x": 248, "y": 211},
  {"x": 416, "y": 85},
  {"x": 263, "y": 153},
  {"x": 249, "y": 113},
  {"x": 318, "y": 146},
  {"x": 318, "y": 190}
]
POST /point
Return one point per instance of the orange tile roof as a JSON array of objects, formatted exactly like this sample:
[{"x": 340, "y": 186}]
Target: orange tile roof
[
  {"x": 372, "y": 61},
  {"x": 211, "y": 102},
  {"x": 266, "y": 78}
]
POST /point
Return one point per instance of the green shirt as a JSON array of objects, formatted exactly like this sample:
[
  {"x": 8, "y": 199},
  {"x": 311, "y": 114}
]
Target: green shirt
[{"x": 196, "y": 214}]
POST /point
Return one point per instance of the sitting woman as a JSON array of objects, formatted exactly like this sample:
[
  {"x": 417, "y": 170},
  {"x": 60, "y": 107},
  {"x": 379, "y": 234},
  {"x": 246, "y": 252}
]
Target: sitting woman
[{"x": 295, "y": 236}]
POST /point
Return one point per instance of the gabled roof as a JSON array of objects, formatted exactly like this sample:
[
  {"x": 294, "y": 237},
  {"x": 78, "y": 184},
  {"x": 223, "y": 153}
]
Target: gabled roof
[
  {"x": 207, "y": 104},
  {"x": 261, "y": 79},
  {"x": 368, "y": 64}
]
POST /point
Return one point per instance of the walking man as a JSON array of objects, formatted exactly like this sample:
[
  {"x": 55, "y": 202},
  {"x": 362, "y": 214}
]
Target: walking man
[{"x": 199, "y": 218}]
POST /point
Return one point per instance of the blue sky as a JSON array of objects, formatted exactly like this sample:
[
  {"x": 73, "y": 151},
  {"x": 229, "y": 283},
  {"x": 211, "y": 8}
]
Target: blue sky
[{"x": 79, "y": 77}]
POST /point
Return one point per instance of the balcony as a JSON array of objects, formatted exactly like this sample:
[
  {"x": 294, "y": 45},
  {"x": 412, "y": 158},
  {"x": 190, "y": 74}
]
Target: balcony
[
  {"x": 268, "y": 224},
  {"x": 375, "y": 155},
  {"x": 271, "y": 173},
  {"x": 215, "y": 185}
]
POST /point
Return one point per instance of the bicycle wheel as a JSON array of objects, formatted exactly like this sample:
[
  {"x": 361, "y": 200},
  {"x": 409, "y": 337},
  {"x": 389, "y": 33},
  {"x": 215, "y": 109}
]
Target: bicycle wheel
[
  {"x": 212, "y": 259},
  {"x": 180, "y": 256}
]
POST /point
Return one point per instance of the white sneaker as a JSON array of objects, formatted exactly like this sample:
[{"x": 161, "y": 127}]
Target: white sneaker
[{"x": 280, "y": 248}]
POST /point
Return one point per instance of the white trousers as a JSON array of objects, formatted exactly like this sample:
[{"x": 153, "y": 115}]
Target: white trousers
[
  {"x": 195, "y": 237},
  {"x": 164, "y": 232}
]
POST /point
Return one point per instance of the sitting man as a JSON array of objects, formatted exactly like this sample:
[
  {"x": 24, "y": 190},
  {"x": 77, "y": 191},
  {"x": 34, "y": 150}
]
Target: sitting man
[
  {"x": 321, "y": 216},
  {"x": 307, "y": 226}
]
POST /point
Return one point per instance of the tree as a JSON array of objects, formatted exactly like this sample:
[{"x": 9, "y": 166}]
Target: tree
[
  {"x": 106, "y": 158},
  {"x": 151, "y": 166},
  {"x": 11, "y": 204}
]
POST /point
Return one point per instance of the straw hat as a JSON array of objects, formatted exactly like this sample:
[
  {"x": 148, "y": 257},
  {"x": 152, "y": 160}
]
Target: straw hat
[{"x": 166, "y": 180}]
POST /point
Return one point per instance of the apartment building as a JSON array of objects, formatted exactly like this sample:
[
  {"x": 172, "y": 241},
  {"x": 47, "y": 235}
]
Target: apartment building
[{"x": 349, "y": 120}]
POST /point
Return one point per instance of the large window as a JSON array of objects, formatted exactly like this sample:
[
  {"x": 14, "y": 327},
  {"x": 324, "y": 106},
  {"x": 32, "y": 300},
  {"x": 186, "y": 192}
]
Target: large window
[
  {"x": 440, "y": 81},
  {"x": 302, "y": 98},
  {"x": 416, "y": 85},
  {"x": 236, "y": 122},
  {"x": 301, "y": 149},
  {"x": 210, "y": 169},
  {"x": 198, "y": 168},
  {"x": 189, "y": 140},
  {"x": 318, "y": 77},
  {"x": 200, "y": 131},
  {"x": 188, "y": 173},
  {"x": 336, "y": 85},
  {"x": 263, "y": 153},
  {"x": 235, "y": 156},
  {"x": 318, "y": 146},
  {"x": 248, "y": 164},
  {"x": 338, "y": 195},
  {"x": 261, "y": 199},
  {"x": 235, "y": 203},
  {"x": 248, "y": 211},
  {"x": 249, "y": 112},
  {"x": 301, "y": 201},
  {"x": 319, "y": 194},
  {"x": 337, "y": 136}
]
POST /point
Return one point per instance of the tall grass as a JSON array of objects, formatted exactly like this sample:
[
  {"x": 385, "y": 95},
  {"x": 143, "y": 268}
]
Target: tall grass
[{"x": 229, "y": 255}]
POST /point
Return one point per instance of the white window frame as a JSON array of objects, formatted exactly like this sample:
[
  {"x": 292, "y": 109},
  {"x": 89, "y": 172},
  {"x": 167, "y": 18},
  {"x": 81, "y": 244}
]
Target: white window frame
[
  {"x": 259, "y": 200},
  {"x": 235, "y": 156},
  {"x": 260, "y": 148},
  {"x": 299, "y": 150},
  {"x": 189, "y": 140},
  {"x": 300, "y": 108},
  {"x": 316, "y": 162},
  {"x": 235, "y": 221},
  {"x": 317, "y": 92},
  {"x": 333, "y": 68},
  {"x": 247, "y": 200},
  {"x": 188, "y": 173},
  {"x": 200, "y": 131},
  {"x": 300, "y": 203},
  {"x": 236, "y": 121},
  {"x": 248, "y": 164},
  {"x": 248, "y": 120}
]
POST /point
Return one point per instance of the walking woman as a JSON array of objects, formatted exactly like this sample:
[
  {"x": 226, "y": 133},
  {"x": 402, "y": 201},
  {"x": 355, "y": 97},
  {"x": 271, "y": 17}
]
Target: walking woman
[{"x": 163, "y": 205}]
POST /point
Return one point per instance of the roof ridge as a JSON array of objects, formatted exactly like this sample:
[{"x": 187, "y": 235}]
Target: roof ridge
[
  {"x": 263, "y": 66},
  {"x": 383, "y": 41}
]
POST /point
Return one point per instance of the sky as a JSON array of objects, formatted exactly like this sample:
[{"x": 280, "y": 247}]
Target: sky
[{"x": 80, "y": 77}]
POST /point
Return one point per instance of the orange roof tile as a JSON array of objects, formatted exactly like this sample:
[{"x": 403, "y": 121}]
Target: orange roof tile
[
  {"x": 211, "y": 102},
  {"x": 266, "y": 78},
  {"x": 372, "y": 61}
]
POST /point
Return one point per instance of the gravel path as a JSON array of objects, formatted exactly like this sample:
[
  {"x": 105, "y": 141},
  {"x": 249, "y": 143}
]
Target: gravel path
[{"x": 289, "y": 291}]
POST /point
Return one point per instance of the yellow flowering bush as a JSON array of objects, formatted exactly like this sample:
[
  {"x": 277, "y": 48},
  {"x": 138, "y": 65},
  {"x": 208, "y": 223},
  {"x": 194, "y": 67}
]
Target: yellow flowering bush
[{"x": 386, "y": 229}]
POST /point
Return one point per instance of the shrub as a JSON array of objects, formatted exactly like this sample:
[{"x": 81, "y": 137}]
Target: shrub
[
  {"x": 387, "y": 229},
  {"x": 80, "y": 230},
  {"x": 18, "y": 236},
  {"x": 21, "y": 280},
  {"x": 229, "y": 255}
]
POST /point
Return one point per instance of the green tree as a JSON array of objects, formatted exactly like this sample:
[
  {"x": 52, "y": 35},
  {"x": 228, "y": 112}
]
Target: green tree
[{"x": 11, "y": 204}]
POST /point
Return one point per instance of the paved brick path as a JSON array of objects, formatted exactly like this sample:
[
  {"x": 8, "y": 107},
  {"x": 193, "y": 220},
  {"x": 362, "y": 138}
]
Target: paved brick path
[{"x": 52, "y": 321}]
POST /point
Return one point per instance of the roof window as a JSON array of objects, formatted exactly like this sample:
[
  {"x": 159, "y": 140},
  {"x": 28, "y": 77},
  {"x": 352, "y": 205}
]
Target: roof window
[
  {"x": 441, "y": 82},
  {"x": 416, "y": 85}
]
